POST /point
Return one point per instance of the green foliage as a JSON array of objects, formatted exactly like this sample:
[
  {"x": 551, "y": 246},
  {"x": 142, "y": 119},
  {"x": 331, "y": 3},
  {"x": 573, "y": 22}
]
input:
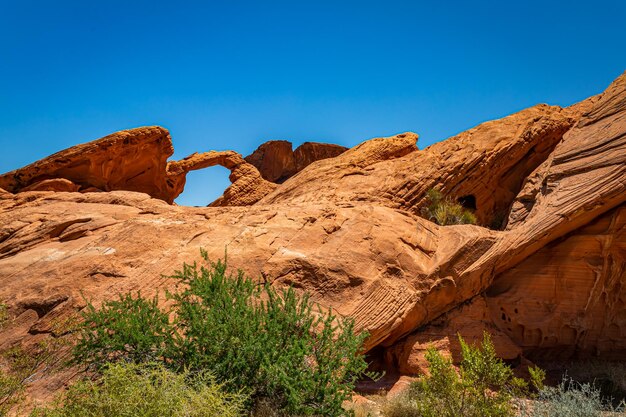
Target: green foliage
[
  {"x": 4, "y": 315},
  {"x": 131, "y": 328},
  {"x": 270, "y": 344},
  {"x": 482, "y": 387},
  {"x": 570, "y": 399},
  {"x": 537, "y": 376},
  {"x": 129, "y": 390},
  {"x": 19, "y": 366},
  {"x": 11, "y": 392},
  {"x": 444, "y": 211}
]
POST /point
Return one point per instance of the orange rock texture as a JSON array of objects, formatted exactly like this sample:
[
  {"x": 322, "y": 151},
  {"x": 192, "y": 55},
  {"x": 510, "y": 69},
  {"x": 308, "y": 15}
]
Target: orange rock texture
[
  {"x": 134, "y": 160},
  {"x": 543, "y": 271},
  {"x": 276, "y": 161}
]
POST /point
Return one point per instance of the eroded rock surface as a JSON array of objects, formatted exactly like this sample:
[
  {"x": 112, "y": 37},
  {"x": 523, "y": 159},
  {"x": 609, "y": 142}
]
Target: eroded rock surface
[
  {"x": 135, "y": 160},
  {"x": 486, "y": 165},
  {"x": 347, "y": 230}
]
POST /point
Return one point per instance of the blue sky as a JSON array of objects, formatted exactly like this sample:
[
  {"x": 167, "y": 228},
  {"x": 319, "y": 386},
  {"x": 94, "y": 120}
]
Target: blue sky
[{"x": 233, "y": 74}]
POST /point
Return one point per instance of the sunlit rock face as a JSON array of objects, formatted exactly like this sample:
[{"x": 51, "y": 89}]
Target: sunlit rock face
[{"x": 543, "y": 272}]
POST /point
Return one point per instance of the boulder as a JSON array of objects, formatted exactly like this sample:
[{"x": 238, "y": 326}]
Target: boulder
[{"x": 274, "y": 160}]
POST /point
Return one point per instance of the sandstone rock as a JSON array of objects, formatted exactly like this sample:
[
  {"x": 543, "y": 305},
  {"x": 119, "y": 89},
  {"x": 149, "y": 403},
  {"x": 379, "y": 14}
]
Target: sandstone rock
[
  {"x": 347, "y": 258},
  {"x": 57, "y": 184},
  {"x": 401, "y": 385},
  {"x": 247, "y": 184},
  {"x": 568, "y": 298},
  {"x": 134, "y": 160},
  {"x": 346, "y": 229},
  {"x": 310, "y": 152},
  {"x": 485, "y": 165},
  {"x": 276, "y": 161},
  {"x": 470, "y": 321},
  {"x": 583, "y": 179}
]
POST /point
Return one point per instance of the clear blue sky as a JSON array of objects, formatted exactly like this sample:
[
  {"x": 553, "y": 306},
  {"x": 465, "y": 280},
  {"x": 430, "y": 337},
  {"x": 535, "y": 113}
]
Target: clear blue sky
[{"x": 232, "y": 74}]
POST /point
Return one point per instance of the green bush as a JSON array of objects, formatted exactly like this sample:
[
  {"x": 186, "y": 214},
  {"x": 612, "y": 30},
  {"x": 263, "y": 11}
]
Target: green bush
[
  {"x": 129, "y": 390},
  {"x": 483, "y": 386},
  {"x": 444, "y": 211},
  {"x": 131, "y": 328},
  {"x": 571, "y": 399},
  {"x": 270, "y": 344}
]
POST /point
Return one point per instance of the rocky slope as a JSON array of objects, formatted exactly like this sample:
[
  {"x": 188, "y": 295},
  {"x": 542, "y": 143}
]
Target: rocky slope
[{"x": 546, "y": 277}]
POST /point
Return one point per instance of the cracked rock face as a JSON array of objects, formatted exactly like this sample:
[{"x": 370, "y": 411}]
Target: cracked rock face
[{"x": 546, "y": 279}]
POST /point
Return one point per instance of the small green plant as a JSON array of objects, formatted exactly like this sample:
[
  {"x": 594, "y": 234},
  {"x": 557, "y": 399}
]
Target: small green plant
[
  {"x": 269, "y": 343},
  {"x": 150, "y": 390},
  {"x": 11, "y": 391},
  {"x": 537, "y": 377},
  {"x": 444, "y": 211},
  {"x": 571, "y": 399},
  {"x": 4, "y": 315},
  {"x": 483, "y": 386}
]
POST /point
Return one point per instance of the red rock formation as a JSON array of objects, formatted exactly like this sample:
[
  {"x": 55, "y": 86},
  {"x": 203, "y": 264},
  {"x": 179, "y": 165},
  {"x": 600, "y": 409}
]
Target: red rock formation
[
  {"x": 310, "y": 152},
  {"x": 276, "y": 161},
  {"x": 247, "y": 186},
  {"x": 568, "y": 298},
  {"x": 469, "y": 320},
  {"x": 57, "y": 184},
  {"x": 134, "y": 160},
  {"x": 346, "y": 229},
  {"x": 488, "y": 163}
]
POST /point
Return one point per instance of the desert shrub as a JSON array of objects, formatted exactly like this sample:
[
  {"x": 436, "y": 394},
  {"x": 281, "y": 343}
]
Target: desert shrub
[
  {"x": 608, "y": 376},
  {"x": 271, "y": 344},
  {"x": 482, "y": 386},
  {"x": 444, "y": 211},
  {"x": 131, "y": 328},
  {"x": 571, "y": 399},
  {"x": 129, "y": 390}
]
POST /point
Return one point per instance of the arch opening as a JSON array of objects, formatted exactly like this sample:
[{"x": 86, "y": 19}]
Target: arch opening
[{"x": 204, "y": 186}]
